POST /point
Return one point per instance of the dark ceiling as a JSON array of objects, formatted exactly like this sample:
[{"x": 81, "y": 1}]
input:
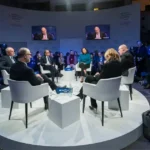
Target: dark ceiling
[{"x": 49, "y": 5}]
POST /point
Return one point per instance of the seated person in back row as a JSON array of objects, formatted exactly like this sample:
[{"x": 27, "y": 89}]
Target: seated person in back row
[
  {"x": 21, "y": 72},
  {"x": 7, "y": 61},
  {"x": 111, "y": 69}
]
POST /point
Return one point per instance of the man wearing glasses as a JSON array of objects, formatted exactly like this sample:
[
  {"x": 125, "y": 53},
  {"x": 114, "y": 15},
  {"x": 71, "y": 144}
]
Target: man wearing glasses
[{"x": 21, "y": 72}]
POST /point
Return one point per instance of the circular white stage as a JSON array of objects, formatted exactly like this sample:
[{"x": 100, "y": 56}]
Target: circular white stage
[{"x": 87, "y": 133}]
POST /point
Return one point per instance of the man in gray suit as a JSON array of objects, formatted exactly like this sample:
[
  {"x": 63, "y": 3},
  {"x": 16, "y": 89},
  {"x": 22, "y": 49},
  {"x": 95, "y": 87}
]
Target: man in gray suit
[{"x": 7, "y": 61}]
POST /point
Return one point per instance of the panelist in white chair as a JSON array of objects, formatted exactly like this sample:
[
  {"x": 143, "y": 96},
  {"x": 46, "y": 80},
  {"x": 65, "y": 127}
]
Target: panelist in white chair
[
  {"x": 127, "y": 60},
  {"x": 111, "y": 68},
  {"x": 48, "y": 63},
  {"x": 21, "y": 72},
  {"x": 7, "y": 61},
  {"x": 84, "y": 62}
]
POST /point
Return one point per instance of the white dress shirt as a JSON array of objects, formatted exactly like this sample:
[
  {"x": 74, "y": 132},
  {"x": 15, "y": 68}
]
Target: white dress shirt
[
  {"x": 47, "y": 60},
  {"x": 12, "y": 59}
]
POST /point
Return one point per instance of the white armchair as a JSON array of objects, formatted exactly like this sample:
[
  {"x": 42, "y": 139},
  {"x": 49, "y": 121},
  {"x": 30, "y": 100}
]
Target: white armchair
[
  {"x": 104, "y": 90},
  {"x": 44, "y": 71},
  {"x": 78, "y": 69},
  {"x": 128, "y": 80},
  {"x": 24, "y": 92},
  {"x": 5, "y": 76},
  {"x": 47, "y": 71}
]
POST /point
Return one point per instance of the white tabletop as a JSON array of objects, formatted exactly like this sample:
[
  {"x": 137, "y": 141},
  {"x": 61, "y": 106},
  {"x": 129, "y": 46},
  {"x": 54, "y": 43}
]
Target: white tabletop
[
  {"x": 63, "y": 98},
  {"x": 123, "y": 88},
  {"x": 6, "y": 89}
]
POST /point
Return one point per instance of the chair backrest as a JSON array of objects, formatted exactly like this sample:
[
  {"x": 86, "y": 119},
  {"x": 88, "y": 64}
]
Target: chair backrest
[
  {"x": 109, "y": 88},
  {"x": 130, "y": 78},
  {"x": 21, "y": 91},
  {"x": 5, "y": 76},
  {"x": 41, "y": 69}
]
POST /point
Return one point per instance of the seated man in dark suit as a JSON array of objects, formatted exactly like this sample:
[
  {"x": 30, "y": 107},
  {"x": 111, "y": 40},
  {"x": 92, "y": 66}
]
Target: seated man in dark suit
[
  {"x": 44, "y": 35},
  {"x": 127, "y": 60},
  {"x": 48, "y": 64},
  {"x": 21, "y": 72},
  {"x": 7, "y": 61}
]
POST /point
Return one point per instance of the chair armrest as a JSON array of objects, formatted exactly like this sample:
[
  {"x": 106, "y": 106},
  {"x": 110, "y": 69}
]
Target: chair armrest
[
  {"x": 40, "y": 91},
  {"x": 88, "y": 89},
  {"x": 92, "y": 91}
]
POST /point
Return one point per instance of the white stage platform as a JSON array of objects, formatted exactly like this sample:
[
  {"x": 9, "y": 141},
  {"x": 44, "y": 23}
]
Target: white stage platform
[{"x": 88, "y": 133}]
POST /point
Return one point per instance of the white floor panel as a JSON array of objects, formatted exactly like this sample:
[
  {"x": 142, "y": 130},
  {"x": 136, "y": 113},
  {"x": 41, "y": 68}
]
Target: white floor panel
[{"x": 42, "y": 131}]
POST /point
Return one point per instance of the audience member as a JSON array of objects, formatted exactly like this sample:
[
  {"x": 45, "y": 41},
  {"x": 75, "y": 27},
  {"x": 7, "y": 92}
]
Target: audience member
[
  {"x": 37, "y": 59},
  {"x": 76, "y": 57},
  {"x": 141, "y": 55},
  {"x": 95, "y": 62},
  {"x": 7, "y": 61},
  {"x": 101, "y": 60},
  {"x": 111, "y": 68},
  {"x": 84, "y": 62},
  {"x": 71, "y": 59},
  {"x": 61, "y": 62},
  {"x": 127, "y": 60}
]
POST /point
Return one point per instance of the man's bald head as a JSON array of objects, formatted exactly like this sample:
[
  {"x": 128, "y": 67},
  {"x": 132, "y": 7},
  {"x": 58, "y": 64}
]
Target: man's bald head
[
  {"x": 24, "y": 54},
  {"x": 122, "y": 49},
  {"x": 10, "y": 51}
]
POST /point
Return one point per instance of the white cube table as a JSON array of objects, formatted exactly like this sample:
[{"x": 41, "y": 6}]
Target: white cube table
[
  {"x": 68, "y": 75},
  {"x": 6, "y": 98},
  {"x": 64, "y": 110},
  {"x": 124, "y": 99}
]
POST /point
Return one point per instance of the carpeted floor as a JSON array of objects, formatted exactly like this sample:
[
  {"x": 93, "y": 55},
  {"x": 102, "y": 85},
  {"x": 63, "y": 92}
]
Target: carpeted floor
[{"x": 142, "y": 143}]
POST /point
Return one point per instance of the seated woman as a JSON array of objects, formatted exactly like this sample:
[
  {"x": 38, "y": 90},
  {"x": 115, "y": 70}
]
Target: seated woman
[
  {"x": 111, "y": 68},
  {"x": 84, "y": 62}
]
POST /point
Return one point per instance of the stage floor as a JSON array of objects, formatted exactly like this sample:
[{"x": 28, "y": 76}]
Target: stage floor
[{"x": 116, "y": 133}]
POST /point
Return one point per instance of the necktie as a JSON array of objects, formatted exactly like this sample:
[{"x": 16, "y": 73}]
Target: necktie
[
  {"x": 12, "y": 59},
  {"x": 48, "y": 62}
]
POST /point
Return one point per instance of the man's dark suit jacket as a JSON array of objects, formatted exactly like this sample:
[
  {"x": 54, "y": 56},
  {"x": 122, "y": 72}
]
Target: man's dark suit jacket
[
  {"x": 21, "y": 72},
  {"x": 43, "y": 61},
  {"x": 92, "y": 36},
  {"x": 40, "y": 37},
  {"x": 127, "y": 62},
  {"x": 110, "y": 69},
  {"x": 6, "y": 63}
]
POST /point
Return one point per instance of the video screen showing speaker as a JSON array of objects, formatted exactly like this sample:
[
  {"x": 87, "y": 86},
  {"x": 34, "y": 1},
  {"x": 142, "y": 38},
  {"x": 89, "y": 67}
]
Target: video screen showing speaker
[
  {"x": 97, "y": 32},
  {"x": 44, "y": 33}
]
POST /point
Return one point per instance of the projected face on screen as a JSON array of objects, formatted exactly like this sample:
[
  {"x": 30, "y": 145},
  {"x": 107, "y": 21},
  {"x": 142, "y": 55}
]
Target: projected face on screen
[
  {"x": 97, "y": 32},
  {"x": 44, "y": 30},
  {"x": 43, "y": 33}
]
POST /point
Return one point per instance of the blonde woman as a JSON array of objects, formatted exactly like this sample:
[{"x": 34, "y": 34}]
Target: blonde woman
[{"x": 111, "y": 68}]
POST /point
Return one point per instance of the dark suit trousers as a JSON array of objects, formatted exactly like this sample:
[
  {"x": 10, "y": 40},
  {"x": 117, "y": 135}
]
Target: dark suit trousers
[
  {"x": 92, "y": 80},
  {"x": 52, "y": 70},
  {"x": 51, "y": 84}
]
